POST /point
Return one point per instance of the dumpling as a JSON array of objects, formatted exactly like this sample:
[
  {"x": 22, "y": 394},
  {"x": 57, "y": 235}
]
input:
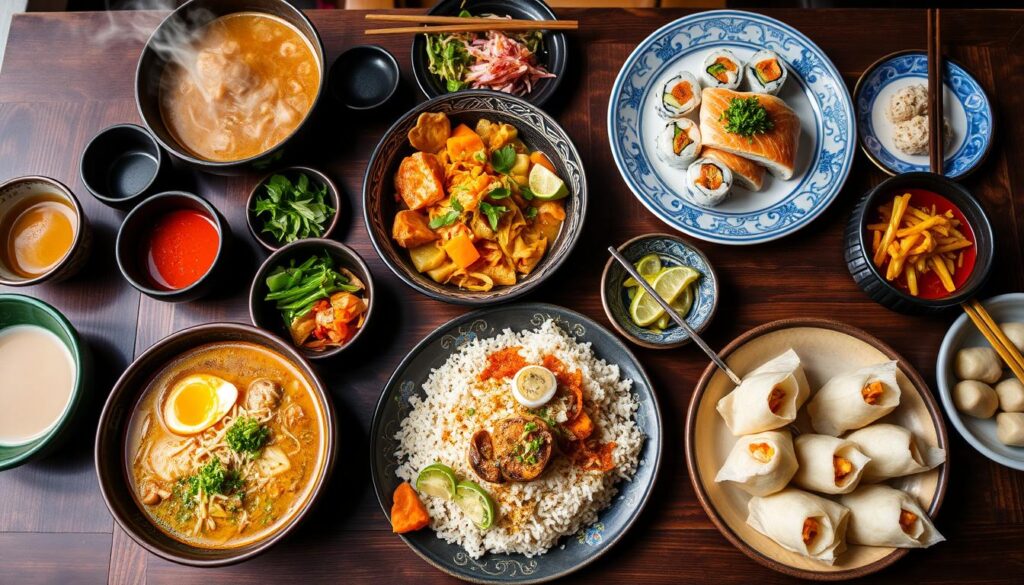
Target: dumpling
[
  {"x": 768, "y": 398},
  {"x": 894, "y": 452},
  {"x": 855, "y": 399},
  {"x": 884, "y": 516},
  {"x": 801, "y": 522},
  {"x": 978, "y": 363},
  {"x": 975, "y": 398},
  {"x": 760, "y": 464},
  {"x": 827, "y": 464},
  {"x": 1015, "y": 333},
  {"x": 1010, "y": 428}
]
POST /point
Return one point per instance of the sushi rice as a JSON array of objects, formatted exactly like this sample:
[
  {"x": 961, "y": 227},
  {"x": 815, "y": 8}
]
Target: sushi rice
[
  {"x": 722, "y": 69},
  {"x": 679, "y": 96},
  {"x": 679, "y": 143},
  {"x": 709, "y": 182},
  {"x": 766, "y": 72}
]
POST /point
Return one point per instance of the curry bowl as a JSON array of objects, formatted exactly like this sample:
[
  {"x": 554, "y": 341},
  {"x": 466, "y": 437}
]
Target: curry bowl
[
  {"x": 537, "y": 131},
  {"x": 267, "y": 315},
  {"x": 149, "y": 471},
  {"x": 227, "y": 88},
  {"x": 22, "y": 311},
  {"x": 44, "y": 234}
]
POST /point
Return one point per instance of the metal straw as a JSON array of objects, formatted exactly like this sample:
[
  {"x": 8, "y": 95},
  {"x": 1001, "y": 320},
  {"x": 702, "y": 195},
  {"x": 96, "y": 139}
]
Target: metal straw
[{"x": 674, "y": 315}]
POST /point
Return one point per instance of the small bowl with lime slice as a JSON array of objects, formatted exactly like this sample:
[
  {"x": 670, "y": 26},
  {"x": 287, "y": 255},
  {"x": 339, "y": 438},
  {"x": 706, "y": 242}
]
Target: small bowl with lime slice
[{"x": 678, "y": 271}]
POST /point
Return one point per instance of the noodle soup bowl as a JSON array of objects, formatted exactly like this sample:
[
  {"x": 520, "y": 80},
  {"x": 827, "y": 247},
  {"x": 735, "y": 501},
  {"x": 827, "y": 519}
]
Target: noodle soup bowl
[
  {"x": 168, "y": 42},
  {"x": 113, "y": 463}
]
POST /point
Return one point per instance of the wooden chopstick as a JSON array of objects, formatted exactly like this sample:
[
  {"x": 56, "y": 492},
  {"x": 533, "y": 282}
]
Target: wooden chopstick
[
  {"x": 494, "y": 24},
  {"x": 995, "y": 336},
  {"x": 425, "y": 19},
  {"x": 935, "y": 91}
]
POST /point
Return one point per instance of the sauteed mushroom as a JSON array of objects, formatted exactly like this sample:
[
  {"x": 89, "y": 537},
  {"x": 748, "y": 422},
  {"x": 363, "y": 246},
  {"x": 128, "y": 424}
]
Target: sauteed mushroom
[{"x": 481, "y": 458}]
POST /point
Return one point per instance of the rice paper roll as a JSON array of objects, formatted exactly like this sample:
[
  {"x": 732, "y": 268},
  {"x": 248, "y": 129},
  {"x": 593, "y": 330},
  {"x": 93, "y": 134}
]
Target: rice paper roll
[
  {"x": 828, "y": 464},
  {"x": 801, "y": 522},
  {"x": 768, "y": 398},
  {"x": 885, "y": 516},
  {"x": 760, "y": 464},
  {"x": 894, "y": 452},
  {"x": 855, "y": 399}
]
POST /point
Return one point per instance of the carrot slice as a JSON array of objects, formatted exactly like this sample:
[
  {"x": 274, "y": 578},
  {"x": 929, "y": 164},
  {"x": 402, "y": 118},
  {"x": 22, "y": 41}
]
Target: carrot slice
[
  {"x": 407, "y": 513},
  {"x": 539, "y": 158}
]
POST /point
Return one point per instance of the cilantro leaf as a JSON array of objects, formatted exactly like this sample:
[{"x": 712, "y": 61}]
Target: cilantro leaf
[
  {"x": 493, "y": 213},
  {"x": 247, "y": 435},
  {"x": 531, "y": 212},
  {"x": 746, "y": 117},
  {"x": 503, "y": 159},
  {"x": 499, "y": 193},
  {"x": 293, "y": 211}
]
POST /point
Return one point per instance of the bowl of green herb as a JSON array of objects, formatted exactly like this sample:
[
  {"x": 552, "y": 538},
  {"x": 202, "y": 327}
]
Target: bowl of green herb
[{"x": 292, "y": 204}]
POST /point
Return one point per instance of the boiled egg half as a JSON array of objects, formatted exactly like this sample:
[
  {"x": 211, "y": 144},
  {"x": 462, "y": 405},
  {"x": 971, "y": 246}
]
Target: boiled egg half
[
  {"x": 197, "y": 402},
  {"x": 534, "y": 386}
]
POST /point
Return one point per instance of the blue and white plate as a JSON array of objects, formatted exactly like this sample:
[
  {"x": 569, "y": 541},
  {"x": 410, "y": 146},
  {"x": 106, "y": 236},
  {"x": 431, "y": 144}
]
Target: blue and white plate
[
  {"x": 965, "y": 106},
  {"x": 814, "y": 90}
]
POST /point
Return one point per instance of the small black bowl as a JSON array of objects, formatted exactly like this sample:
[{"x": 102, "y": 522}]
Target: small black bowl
[
  {"x": 137, "y": 224},
  {"x": 121, "y": 165},
  {"x": 265, "y": 316},
  {"x": 316, "y": 177},
  {"x": 553, "y": 53},
  {"x": 873, "y": 282},
  {"x": 364, "y": 77}
]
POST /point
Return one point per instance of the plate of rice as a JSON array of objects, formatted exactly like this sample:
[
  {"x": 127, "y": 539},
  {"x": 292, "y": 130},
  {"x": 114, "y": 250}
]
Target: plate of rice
[{"x": 526, "y": 439}]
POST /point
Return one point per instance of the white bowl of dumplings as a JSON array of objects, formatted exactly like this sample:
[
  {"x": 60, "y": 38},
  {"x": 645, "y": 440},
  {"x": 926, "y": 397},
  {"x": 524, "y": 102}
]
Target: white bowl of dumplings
[
  {"x": 982, "y": 397},
  {"x": 825, "y": 459}
]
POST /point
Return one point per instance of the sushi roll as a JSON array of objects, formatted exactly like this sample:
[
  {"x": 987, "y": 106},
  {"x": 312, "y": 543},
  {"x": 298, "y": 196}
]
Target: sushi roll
[
  {"x": 722, "y": 69},
  {"x": 679, "y": 96},
  {"x": 679, "y": 143},
  {"x": 709, "y": 182},
  {"x": 766, "y": 72}
]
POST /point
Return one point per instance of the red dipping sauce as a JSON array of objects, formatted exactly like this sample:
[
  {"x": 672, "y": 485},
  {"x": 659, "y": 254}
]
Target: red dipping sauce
[
  {"x": 929, "y": 286},
  {"x": 181, "y": 249}
]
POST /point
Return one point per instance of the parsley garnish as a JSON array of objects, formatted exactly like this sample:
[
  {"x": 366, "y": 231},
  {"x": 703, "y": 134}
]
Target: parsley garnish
[
  {"x": 247, "y": 435},
  {"x": 746, "y": 117},
  {"x": 293, "y": 211},
  {"x": 531, "y": 212},
  {"x": 526, "y": 192},
  {"x": 503, "y": 159},
  {"x": 448, "y": 218},
  {"x": 493, "y": 213},
  {"x": 212, "y": 478},
  {"x": 499, "y": 193}
]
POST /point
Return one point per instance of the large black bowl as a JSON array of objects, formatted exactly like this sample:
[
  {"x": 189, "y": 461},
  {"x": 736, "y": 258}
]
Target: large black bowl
[
  {"x": 553, "y": 54},
  {"x": 179, "y": 26},
  {"x": 873, "y": 282},
  {"x": 538, "y": 130}
]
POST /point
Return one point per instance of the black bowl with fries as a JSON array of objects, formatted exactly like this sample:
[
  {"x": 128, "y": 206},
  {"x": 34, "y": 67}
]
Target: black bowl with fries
[{"x": 919, "y": 243}]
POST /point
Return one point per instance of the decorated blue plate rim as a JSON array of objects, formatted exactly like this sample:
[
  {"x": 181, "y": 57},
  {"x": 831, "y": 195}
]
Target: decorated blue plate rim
[{"x": 847, "y": 152}]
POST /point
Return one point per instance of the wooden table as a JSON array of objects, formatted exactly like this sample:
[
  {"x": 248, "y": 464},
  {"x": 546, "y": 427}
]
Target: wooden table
[{"x": 66, "y": 76}]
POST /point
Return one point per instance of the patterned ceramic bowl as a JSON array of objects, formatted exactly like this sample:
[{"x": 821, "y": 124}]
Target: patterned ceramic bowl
[{"x": 673, "y": 251}]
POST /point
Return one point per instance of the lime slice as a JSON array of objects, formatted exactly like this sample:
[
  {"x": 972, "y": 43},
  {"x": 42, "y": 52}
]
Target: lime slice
[
  {"x": 437, "y": 480},
  {"x": 646, "y": 311},
  {"x": 546, "y": 185},
  {"x": 476, "y": 503}
]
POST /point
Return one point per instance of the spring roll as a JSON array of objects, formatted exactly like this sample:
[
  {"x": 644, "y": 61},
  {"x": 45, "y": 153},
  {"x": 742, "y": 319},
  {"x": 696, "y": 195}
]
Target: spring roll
[
  {"x": 894, "y": 452},
  {"x": 884, "y": 516},
  {"x": 855, "y": 399},
  {"x": 801, "y": 522},
  {"x": 768, "y": 398},
  {"x": 827, "y": 464},
  {"x": 760, "y": 464}
]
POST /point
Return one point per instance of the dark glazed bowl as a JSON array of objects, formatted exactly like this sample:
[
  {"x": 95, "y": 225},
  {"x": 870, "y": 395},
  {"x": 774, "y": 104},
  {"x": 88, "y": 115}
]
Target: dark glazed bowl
[
  {"x": 364, "y": 77},
  {"x": 121, "y": 165},
  {"x": 538, "y": 130},
  {"x": 873, "y": 282},
  {"x": 553, "y": 54},
  {"x": 111, "y": 438},
  {"x": 15, "y": 189},
  {"x": 255, "y": 223},
  {"x": 136, "y": 225},
  {"x": 179, "y": 26},
  {"x": 21, "y": 310},
  {"x": 265, "y": 316}
]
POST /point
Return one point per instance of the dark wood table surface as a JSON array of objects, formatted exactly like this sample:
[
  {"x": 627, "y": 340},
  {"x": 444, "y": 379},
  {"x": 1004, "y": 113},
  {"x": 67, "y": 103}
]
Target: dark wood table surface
[{"x": 66, "y": 76}]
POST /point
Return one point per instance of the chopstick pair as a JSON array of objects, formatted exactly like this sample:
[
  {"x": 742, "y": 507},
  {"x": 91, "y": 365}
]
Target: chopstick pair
[
  {"x": 935, "y": 91},
  {"x": 995, "y": 336},
  {"x": 457, "y": 24}
]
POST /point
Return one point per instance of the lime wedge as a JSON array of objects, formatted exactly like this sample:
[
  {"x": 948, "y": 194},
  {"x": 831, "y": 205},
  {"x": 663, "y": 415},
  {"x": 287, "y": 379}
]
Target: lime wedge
[
  {"x": 437, "y": 480},
  {"x": 645, "y": 311},
  {"x": 546, "y": 185},
  {"x": 476, "y": 503}
]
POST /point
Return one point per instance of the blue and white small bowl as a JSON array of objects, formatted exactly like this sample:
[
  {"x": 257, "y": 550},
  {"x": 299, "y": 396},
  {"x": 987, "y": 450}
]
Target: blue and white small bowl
[
  {"x": 965, "y": 105},
  {"x": 674, "y": 251}
]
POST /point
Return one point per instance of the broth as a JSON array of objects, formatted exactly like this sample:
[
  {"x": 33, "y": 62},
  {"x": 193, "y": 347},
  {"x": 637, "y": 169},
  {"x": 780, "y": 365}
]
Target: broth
[
  {"x": 38, "y": 374},
  {"x": 249, "y": 494},
  {"x": 37, "y": 234},
  {"x": 249, "y": 82}
]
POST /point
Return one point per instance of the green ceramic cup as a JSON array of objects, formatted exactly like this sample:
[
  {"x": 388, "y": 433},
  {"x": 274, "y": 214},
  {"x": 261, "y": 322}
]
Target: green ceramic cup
[{"x": 23, "y": 310}]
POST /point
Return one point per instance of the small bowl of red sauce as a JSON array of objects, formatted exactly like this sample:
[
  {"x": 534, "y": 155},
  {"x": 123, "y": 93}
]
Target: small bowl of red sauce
[
  {"x": 171, "y": 246},
  {"x": 919, "y": 243}
]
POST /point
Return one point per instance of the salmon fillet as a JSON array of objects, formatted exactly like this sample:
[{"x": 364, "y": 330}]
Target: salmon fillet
[
  {"x": 776, "y": 149},
  {"x": 747, "y": 173}
]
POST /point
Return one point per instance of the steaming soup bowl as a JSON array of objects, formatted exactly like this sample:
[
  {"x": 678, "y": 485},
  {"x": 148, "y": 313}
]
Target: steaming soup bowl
[{"x": 173, "y": 33}]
